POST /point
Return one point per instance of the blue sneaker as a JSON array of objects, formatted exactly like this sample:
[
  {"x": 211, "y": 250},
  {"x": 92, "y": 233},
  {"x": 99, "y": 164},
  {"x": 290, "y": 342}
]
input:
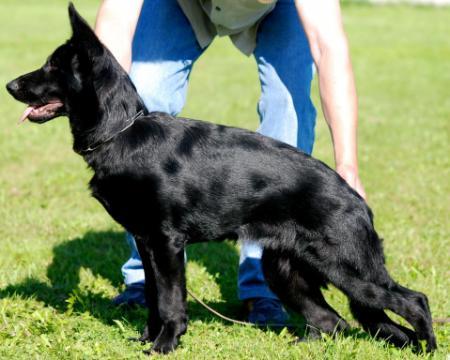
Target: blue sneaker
[
  {"x": 133, "y": 295},
  {"x": 267, "y": 312}
]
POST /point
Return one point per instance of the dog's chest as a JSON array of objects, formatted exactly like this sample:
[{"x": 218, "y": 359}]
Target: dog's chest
[{"x": 130, "y": 200}]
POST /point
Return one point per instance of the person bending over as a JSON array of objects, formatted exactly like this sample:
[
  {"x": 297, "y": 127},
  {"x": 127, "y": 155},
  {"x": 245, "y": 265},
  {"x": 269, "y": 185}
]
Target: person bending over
[{"x": 158, "y": 42}]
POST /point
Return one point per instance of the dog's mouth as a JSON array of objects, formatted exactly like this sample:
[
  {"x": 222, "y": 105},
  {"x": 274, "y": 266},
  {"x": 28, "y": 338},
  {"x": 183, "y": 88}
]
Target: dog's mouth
[{"x": 42, "y": 112}]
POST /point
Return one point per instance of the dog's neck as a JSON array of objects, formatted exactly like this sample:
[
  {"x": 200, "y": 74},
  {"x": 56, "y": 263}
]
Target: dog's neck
[{"x": 104, "y": 107}]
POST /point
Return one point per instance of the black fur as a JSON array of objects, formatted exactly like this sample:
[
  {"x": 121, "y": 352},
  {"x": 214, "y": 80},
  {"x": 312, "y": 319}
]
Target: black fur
[{"x": 173, "y": 181}]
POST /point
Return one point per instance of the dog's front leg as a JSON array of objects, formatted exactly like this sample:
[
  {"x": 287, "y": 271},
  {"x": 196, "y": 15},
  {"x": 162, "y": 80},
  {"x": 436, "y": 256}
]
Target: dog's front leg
[
  {"x": 154, "y": 324},
  {"x": 167, "y": 262}
]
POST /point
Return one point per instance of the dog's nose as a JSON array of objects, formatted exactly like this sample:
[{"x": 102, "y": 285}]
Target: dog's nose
[{"x": 12, "y": 86}]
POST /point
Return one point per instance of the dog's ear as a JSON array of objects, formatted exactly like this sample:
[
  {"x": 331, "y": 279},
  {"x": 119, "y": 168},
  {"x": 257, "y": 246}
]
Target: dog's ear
[{"x": 83, "y": 34}]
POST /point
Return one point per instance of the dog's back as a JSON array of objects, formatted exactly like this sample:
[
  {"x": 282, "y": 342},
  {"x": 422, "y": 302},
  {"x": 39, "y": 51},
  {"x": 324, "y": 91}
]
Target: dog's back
[{"x": 208, "y": 172}]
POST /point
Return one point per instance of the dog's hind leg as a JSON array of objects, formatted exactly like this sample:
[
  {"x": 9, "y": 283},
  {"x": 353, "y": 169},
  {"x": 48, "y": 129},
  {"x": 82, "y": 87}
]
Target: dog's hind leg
[
  {"x": 377, "y": 323},
  {"x": 409, "y": 304},
  {"x": 298, "y": 286}
]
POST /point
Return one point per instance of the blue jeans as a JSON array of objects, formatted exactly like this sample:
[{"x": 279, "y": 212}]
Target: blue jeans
[{"x": 164, "y": 51}]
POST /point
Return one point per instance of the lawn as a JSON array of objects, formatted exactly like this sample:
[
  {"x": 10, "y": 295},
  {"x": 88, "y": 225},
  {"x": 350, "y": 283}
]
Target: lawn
[{"x": 61, "y": 254}]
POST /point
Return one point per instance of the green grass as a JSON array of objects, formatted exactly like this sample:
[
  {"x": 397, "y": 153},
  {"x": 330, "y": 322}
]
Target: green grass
[{"x": 61, "y": 254}]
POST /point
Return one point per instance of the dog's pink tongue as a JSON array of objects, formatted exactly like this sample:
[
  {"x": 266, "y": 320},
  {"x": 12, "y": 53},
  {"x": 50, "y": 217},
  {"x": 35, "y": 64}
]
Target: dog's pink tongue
[{"x": 25, "y": 114}]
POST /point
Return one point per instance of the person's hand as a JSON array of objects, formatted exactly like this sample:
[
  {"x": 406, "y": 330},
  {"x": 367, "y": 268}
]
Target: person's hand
[{"x": 350, "y": 174}]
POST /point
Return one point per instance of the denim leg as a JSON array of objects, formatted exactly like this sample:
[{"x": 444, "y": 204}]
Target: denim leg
[
  {"x": 164, "y": 50},
  {"x": 285, "y": 108},
  {"x": 132, "y": 270}
]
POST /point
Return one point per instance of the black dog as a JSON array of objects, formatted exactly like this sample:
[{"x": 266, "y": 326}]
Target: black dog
[{"x": 173, "y": 181}]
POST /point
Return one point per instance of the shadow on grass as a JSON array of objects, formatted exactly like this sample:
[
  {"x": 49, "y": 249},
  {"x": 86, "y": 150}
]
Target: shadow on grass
[{"x": 103, "y": 253}]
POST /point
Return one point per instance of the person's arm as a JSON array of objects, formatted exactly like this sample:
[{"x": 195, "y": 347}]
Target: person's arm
[
  {"x": 115, "y": 26},
  {"x": 322, "y": 22}
]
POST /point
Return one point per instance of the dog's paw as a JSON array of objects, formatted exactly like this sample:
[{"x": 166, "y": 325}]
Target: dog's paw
[
  {"x": 162, "y": 346},
  {"x": 166, "y": 341},
  {"x": 431, "y": 345}
]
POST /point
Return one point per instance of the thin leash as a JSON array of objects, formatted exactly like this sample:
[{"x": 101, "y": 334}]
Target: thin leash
[
  {"x": 442, "y": 321},
  {"x": 234, "y": 321},
  {"x": 215, "y": 312},
  {"x": 437, "y": 321}
]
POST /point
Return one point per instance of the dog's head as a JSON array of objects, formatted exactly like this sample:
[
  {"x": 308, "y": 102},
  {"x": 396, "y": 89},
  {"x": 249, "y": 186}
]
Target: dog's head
[{"x": 65, "y": 80}]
